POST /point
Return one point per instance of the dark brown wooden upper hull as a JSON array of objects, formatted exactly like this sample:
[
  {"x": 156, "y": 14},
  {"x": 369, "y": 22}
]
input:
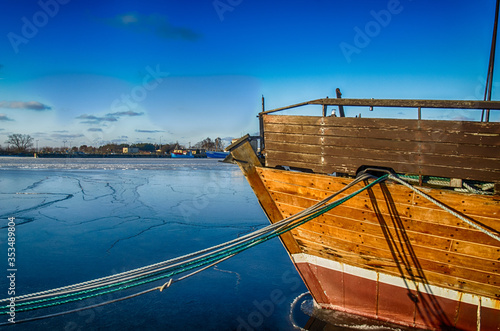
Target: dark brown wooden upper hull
[{"x": 466, "y": 150}]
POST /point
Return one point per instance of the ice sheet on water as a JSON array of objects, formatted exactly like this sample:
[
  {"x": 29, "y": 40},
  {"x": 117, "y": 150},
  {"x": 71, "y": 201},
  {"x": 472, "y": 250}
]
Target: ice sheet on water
[
  {"x": 81, "y": 219},
  {"x": 107, "y": 163}
]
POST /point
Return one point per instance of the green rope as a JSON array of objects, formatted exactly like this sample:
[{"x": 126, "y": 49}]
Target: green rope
[
  {"x": 194, "y": 265},
  {"x": 200, "y": 262}
]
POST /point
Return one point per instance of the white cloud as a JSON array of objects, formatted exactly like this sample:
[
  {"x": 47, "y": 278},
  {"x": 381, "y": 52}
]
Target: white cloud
[
  {"x": 31, "y": 105},
  {"x": 5, "y": 118}
]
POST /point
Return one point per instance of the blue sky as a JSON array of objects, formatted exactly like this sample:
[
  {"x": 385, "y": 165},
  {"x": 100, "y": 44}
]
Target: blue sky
[{"x": 88, "y": 72}]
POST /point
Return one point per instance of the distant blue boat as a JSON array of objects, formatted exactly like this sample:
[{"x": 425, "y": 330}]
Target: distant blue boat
[
  {"x": 217, "y": 155},
  {"x": 182, "y": 154}
]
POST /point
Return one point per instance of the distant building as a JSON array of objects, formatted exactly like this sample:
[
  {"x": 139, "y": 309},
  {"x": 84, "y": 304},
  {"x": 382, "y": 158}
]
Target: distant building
[{"x": 130, "y": 150}]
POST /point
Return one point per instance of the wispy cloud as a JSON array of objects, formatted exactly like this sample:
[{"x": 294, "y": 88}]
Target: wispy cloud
[
  {"x": 66, "y": 136},
  {"x": 110, "y": 117},
  {"x": 94, "y": 130},
  {"x": 152, "y": 24},
  {"x": 5, "y": 118},
  {"x": 124, "y": 113},
  {"x": 119, "y": 140},
  {"x": 31, "y": 105},
  {"x": 92, "y": 119},
  {"x": 148, "y": 131}
]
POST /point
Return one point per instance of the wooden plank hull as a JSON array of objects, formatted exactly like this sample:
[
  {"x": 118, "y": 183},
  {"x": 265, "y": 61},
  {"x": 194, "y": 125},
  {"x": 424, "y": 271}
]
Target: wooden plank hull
[
  {"x": 389, "y": 254},
  {"x": 467, "y": 150}
]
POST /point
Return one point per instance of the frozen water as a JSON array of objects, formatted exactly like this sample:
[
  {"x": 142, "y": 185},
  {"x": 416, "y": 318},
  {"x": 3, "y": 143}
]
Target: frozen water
[{"x": 80, "y": 219}]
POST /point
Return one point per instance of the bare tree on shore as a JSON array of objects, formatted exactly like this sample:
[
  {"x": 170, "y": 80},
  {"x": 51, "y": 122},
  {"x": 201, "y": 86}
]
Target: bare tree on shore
[
  {"x": 219, "y": 144},
  {"x": 20, "y": 142}
]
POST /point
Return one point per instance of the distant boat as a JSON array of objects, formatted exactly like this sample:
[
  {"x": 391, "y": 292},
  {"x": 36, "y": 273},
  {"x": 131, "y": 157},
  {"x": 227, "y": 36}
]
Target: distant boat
[
  {"x": 179, "y": 153},
  {"x": 217, "y": 155},
  {"x": 189, "y": 153}
]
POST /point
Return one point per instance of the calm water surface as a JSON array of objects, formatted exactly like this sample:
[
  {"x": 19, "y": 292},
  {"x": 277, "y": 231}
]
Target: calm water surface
[{"x": 80, "y": 219}]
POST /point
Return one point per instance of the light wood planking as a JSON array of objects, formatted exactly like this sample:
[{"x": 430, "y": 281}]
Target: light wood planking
[{"x": 370, "y": 232}]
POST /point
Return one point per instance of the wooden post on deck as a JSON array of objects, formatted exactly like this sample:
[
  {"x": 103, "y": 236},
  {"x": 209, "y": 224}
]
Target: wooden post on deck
[
  {"x": 341, "y": 108},
  {"x": 261, "y": 127}
]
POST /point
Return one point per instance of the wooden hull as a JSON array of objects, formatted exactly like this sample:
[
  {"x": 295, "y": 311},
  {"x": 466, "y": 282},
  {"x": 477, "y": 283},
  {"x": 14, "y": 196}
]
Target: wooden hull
[
  {"x": 389, "y": 253},
  {"x": 379, "y": 296}
]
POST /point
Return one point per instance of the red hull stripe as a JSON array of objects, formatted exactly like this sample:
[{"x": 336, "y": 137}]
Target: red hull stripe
[{"x": 393, "y": 299}]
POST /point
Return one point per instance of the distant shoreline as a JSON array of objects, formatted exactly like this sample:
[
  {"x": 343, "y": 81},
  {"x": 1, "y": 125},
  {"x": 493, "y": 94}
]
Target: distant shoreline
[{"x": 86, "y": 156}]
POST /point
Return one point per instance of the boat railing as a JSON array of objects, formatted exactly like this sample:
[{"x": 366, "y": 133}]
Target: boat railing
[
  {"x": 328, "y": 144},
  {"x": 419, "y": 104}
]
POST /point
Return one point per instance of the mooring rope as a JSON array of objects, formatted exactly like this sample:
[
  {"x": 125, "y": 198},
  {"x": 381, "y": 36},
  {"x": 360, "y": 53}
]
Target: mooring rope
[
  {"x": 202, "y": 259},
  {"x": 197, "y": 261},
  {"x": 155, "y": 268},
  {"x": 449, "y": 210}
]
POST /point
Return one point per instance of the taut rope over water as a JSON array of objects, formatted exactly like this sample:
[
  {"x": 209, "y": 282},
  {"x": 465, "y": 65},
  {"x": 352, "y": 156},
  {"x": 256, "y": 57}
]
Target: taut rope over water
[
  {"x": 197, "y": 261},
  {"x": 194, "y": 262}
]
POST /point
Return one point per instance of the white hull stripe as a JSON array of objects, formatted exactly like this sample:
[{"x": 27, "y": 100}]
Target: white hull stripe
[{"x": 397, "y": 281}]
